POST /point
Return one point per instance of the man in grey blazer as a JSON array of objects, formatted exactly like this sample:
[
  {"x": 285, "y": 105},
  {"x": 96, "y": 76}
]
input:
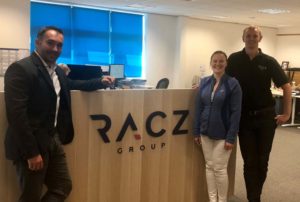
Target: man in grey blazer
[{"x": 38, "y": 106}]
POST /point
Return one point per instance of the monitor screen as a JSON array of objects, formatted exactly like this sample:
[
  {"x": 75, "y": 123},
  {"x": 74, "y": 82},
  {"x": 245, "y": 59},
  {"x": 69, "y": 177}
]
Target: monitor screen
[
  {"x": 117, "y": 71},
  {"x": 105, "y": 70},
  {"x": 84, "y": 72}
]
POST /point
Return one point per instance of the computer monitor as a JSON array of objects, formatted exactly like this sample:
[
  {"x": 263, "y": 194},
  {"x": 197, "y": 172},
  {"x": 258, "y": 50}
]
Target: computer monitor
[
  {"x": 117, "y": 71},
  {"x": 105, "y": 70},
  {"x": 84, "y": 72}
]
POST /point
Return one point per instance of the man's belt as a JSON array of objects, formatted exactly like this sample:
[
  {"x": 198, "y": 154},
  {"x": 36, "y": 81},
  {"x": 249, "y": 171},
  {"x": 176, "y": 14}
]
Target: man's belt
[{"x": 260, "y": 112}]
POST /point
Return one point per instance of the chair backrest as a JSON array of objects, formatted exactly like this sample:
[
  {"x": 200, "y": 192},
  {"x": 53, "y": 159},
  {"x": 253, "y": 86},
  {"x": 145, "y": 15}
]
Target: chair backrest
[{"x": 162, "y": 84}]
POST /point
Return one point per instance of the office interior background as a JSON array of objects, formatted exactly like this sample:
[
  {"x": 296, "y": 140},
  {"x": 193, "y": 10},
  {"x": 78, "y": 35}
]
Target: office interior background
[{"x": 174, "y": 46}]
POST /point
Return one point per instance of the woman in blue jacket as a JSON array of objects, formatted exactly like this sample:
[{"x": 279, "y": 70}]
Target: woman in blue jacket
[{"x": 218, "y": 110}]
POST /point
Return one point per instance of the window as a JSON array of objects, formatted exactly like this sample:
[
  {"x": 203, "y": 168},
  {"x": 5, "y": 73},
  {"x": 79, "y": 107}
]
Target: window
[
  {"x": 126, "y": 44},
  {"x": 93, "y": 36},
  {"x": 90, "y": 36},
  {"x": 46, "y": 14}
]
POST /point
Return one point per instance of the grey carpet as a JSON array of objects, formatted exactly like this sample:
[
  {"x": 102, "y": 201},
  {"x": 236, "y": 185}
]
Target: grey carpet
[{"x": 283, "y": 181}]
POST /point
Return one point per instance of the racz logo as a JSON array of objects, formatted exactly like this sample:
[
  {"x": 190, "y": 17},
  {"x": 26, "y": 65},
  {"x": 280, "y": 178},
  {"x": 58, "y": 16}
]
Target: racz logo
[{"x": 129, "y": 122}]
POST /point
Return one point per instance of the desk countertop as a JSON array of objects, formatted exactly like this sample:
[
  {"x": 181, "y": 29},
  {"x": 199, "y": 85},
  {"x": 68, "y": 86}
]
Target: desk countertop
[
  {"x": 295, "y": 69},
  {"x": 278, "y": 92}
]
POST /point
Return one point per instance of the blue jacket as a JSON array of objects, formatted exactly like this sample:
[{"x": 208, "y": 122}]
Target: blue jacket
[{"x": 218, "y": 118}]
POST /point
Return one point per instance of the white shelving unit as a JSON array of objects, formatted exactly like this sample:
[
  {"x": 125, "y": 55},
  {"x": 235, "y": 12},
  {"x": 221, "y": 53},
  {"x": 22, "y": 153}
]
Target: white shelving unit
[{"x": 10, "y": 55}]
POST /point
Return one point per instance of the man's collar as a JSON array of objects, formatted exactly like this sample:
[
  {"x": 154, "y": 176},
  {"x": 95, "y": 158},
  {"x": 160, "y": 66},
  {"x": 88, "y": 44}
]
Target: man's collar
[
  {"x": 44, "y": 63},
  {"x": 259, "y": 51}
]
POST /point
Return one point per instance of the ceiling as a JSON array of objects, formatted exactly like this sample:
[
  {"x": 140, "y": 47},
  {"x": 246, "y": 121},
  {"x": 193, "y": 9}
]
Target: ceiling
[{"x": 236, "y": 11}]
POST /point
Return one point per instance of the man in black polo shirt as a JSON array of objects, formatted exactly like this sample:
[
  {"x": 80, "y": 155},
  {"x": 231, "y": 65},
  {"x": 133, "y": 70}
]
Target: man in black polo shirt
[{"x": 255, "y": 70}]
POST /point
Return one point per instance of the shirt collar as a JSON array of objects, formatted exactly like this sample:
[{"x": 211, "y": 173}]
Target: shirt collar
[
  {"x": 259, "y": 54},
  {"x": 44, "y": 63},
  {"x": 259, "y": 51}
]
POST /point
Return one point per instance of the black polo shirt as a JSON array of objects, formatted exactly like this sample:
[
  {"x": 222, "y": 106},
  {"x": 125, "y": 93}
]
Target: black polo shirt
[{"x": 255, "y": 78}]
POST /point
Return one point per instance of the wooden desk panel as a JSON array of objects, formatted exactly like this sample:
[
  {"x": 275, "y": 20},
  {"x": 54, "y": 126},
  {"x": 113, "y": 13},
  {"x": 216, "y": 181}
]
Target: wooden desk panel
[
  {"x": 8, "y": 179},
  {"x": 169, "y": 168}
]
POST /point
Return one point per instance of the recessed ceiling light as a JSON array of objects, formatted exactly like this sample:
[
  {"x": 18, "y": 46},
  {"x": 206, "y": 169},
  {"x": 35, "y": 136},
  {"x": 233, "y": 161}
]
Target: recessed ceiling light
[
  {"x": 139, "y": 6},
  {"x": 219, "y": 16},
  {"x": 273, "y": 11},
  {"x": 283, "y": 25}
]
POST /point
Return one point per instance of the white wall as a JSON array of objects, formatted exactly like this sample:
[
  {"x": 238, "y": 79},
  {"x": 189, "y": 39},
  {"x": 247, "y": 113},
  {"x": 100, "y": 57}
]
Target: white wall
[
  {"x": 175, "y": 47},
  {"x": 288, "y": 46},
  {"x": 205, "y": 37},
  {"x": 160, "y": 47},
  {"x": 15, "y": 25},
  {"x": 190, "y": 46}
]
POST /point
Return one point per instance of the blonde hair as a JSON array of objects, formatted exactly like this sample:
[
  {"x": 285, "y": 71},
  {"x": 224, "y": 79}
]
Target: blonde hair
[{"x": 253, "y": 27}]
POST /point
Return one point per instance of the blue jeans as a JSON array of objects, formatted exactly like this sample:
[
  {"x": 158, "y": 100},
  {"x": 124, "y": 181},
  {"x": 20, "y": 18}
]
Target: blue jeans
[
  {"x": 256, "y": 138},
  {"x": 55, "y": 175}
]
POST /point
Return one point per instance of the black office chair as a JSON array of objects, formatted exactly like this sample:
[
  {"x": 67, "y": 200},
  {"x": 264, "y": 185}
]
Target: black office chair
[{"x": 162, "y": 84}]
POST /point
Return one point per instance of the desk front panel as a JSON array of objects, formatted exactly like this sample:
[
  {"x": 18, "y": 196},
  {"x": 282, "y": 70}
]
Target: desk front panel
[{"x": 151, "y": 160}]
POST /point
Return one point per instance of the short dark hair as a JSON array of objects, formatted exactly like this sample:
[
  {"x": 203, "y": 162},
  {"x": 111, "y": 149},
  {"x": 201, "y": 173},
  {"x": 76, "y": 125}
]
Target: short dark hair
[
  {"x": 43, "y": 30},
  {"x": 218, "y": 52}
]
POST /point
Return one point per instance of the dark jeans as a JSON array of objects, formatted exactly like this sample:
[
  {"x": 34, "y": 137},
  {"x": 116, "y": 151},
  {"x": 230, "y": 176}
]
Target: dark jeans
[
  {"x": 256, "y": 137},
  {"x": 54, "y": 175}
]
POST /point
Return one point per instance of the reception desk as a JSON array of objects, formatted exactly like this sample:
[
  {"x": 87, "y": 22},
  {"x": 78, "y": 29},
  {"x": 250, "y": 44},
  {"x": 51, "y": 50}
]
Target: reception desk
[{"x": 129, "y": 146}]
